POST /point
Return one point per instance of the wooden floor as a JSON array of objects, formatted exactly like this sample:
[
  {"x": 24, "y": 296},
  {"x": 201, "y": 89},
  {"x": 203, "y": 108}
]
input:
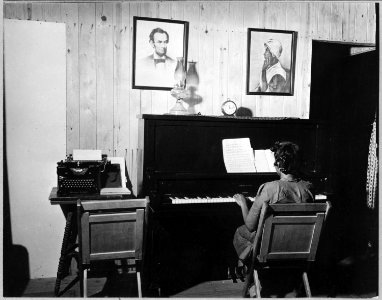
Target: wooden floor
[{"x": 126, "y": 287}]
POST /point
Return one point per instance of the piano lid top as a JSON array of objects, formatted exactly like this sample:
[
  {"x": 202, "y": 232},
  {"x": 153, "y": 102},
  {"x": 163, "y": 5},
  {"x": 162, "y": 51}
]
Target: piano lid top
[{"x": 168, "y": 117}]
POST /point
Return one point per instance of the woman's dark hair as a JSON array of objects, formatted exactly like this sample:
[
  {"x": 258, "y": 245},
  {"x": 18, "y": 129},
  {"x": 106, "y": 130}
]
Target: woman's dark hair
[{"x": 287, "y": 157}]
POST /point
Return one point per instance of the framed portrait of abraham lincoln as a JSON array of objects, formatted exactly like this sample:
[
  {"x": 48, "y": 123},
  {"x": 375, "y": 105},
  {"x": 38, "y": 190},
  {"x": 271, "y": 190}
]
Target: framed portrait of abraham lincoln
[
  {"x": 271, "y": 58},
  {"x": 157, "y": 43}
]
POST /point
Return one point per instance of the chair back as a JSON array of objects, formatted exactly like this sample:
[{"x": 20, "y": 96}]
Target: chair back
[
  {"x": 111, "y": 229},
  {"x": 291, "y": 231}
]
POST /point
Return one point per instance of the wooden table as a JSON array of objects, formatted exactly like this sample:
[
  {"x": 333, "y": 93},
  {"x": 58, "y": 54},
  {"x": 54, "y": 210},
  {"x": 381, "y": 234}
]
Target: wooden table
[{"x": 68, "y": 249}]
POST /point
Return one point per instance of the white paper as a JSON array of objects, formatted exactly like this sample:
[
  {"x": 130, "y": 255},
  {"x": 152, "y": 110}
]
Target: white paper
[
  {"x": 270, "y": 159},
  {"x": 264, "y": 160},
  {"x": 82, "y": 154},
  {"x": 261, "y": 162},
  {"x": 238, "y": 156}
]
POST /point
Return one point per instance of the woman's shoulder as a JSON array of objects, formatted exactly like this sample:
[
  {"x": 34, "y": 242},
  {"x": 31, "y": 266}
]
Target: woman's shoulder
[
  {"x": 271, "y": 184},
  {"x": 297, "y": 181}
]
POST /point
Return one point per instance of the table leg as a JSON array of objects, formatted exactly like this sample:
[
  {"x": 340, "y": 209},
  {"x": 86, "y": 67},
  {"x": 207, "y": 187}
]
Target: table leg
[{"x": 63, "y": 262}]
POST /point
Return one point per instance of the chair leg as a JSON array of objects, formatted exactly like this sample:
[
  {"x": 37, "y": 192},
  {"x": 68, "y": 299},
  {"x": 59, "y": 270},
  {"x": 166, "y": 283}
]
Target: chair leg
[
  {"x": 257, "y": 283},
  {"x": 85, "y": 282},
  {"x": 139, "y": 284},
  {"x": 306, "y": 284}
]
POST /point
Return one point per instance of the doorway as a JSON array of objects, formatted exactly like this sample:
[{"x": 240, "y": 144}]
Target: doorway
[{"x": 344, "y": 94}]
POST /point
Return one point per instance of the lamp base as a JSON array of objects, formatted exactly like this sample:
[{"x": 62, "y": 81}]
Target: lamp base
[{"x": 178, "y": 109}]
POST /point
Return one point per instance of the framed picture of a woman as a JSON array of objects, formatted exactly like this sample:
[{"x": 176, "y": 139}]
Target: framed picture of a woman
[{"x": 271, "y": 58}]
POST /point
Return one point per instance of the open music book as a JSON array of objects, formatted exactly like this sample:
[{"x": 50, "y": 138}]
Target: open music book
[{"x": 239, "y": 157}]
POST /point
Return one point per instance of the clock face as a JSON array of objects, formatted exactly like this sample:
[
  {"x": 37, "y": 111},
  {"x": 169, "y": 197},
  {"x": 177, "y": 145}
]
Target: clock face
[{"x": 229, "y": 108}]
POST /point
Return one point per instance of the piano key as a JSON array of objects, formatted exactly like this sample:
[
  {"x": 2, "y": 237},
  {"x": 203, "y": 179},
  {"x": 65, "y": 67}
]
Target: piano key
[{"x": 320, "y": 197}]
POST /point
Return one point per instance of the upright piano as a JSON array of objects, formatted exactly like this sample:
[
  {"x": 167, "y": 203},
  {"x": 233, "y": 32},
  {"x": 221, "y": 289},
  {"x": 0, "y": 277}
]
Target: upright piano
[{"x": 193, "y": 213}]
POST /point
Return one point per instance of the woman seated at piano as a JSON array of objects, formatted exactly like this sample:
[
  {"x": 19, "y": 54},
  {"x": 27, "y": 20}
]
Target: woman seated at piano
[{"x": 288, "y": 189}]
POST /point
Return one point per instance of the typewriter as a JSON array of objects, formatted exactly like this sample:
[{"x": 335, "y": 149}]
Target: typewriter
[{"x": 80, "y": 176}]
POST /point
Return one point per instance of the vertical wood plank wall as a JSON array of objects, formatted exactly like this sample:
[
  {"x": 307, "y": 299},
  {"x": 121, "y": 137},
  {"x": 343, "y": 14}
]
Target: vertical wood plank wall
[{"x": 102, "y": 107}]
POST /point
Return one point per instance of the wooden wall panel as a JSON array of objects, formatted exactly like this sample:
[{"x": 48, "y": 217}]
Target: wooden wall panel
[
  {"x": 220, "y": 50},
  {"x": 361, "y": 22},
  {"x": 69, "y": 14},
  {"x": 251, "y": 19},
  {"x": 37, "y": 11},
  {"x": 336, "y": 17},
  {"x": 88, "y": 76},
  {"x": 19, "y": 11},
  {"x": 104, "y": 75},
  {"x": 371, "y": 26},
  {"x": 348, "y": 20},
  {"x": 135, "y": 108},
  {"x": 122, "y": 81},
  {"x": 102, "y": 107},
  {"x": 51, "y": 12},
  {"x": 293, "y": 23},
  {"x": 206, "y": 56},
  {"x": 323, "y": 21},
  {"x": 236, "y": 39}
]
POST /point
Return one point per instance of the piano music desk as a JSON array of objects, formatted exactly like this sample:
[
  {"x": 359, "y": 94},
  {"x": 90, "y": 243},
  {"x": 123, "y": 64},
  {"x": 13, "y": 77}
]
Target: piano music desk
[{"x": 68, "y": 206}]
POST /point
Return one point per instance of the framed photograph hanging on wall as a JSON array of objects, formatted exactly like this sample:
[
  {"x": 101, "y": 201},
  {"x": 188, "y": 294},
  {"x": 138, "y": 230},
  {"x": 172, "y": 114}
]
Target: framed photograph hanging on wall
[
  {"x": 271, "y": 58},
  {"x": 156, "y": 45}
]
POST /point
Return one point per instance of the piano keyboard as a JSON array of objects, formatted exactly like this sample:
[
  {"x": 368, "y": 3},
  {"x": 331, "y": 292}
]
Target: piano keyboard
[
  {"x": 202, "y": 200},
  {"x": 189, "y": 200}
]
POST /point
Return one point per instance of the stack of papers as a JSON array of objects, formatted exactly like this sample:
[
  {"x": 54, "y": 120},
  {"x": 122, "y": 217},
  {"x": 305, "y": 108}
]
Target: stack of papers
[{"x": 115, "y": 190}]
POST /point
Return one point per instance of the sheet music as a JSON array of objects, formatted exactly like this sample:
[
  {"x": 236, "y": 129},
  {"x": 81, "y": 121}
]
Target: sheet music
[
  {"x": 238, "y": 156},
  {"x": 270, "y": 160},
  {"x": 264, "y": 160},
  {"x": 261, "y": 162}
]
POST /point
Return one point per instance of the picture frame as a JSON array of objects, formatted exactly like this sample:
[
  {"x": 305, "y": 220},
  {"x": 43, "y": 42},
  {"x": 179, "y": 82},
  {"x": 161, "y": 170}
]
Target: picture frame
[
  {"x": 271, "y": 56},
  {"x": 156, "y": 45}
]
